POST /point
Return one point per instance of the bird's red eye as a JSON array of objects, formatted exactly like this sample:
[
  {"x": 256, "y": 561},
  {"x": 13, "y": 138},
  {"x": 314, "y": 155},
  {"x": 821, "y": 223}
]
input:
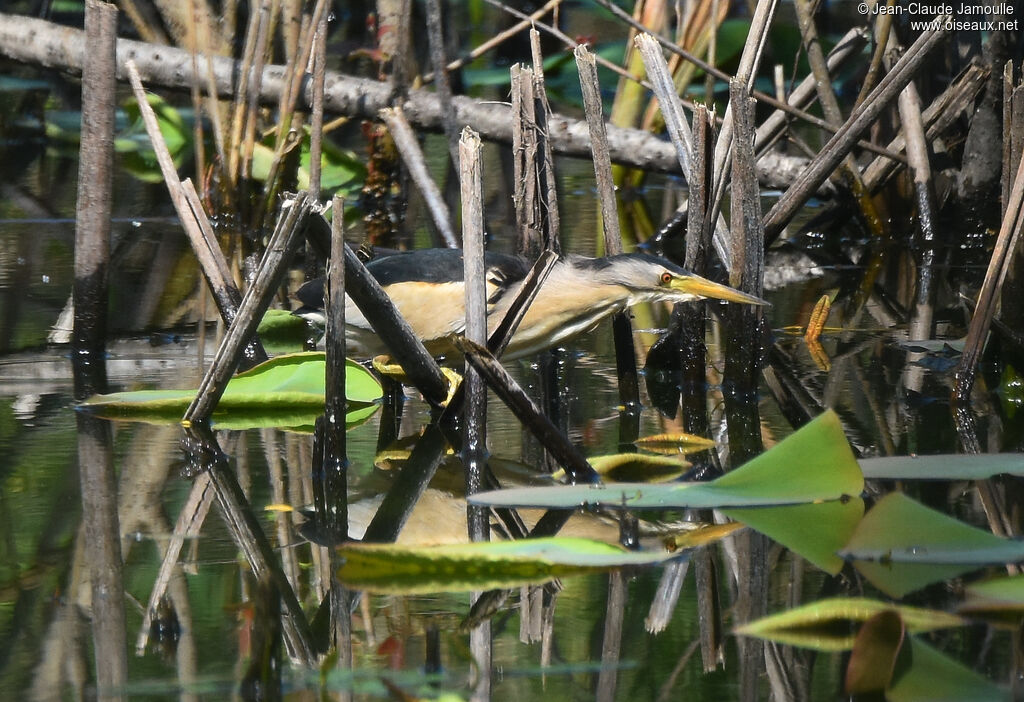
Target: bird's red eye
[{"x": 666, "y": 278}]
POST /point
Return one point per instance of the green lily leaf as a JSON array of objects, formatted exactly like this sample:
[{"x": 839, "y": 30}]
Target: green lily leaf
[
  {"x": 901, "y": 530},
  {"x": 943, "y": 467},
  {"x": 280, "y": 331},
  {"x": 935, "y": 677},
  {"x": 813, "y": 464},
  {"x": 900, "y": 579},
  {"x": 815, "y": 531},
  {"x": 900, "y": 546},
  {"x": 172, "y": 125},
  {"x": 827, "y": 625},
  {"x": 286, "y": 391},
  {"x": 635, "y": 467},
  {"x": 395, "y": 569},
  {"x": 1000, "y": 599},
  {"x": 674, "y": 444}
]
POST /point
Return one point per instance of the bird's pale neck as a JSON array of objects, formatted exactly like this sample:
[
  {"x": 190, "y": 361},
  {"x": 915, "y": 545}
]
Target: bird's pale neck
[{"x": 567, "y": 304}]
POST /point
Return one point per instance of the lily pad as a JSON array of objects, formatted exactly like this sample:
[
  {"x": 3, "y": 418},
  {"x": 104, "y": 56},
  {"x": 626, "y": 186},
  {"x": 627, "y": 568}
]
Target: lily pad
[
  {"x": 388, "y": 568},
  {"x": 943, "y": 467},
  {"x": 933, "y": 676},
  {"x": 900, "y": 579},
  {"x": 634, "y": 467},
  {"x": 672, "y": 444},
  {"x": 901, "y": 530},
  {"x": 998, "y": 598},
  {"x": 815, "y": 531},
  {"x": 827, "y": 625},
  {"x": 286, "y": 391},
  {"x": 282, "y": 332},
  {"x": 813, "y": 464}
]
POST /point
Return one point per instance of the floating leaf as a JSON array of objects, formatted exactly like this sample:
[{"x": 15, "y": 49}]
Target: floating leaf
[
  {"x": 827, "y": 625},
  {"x": 814, "y": 531},
  {"x": 902, "y": 530},
  {"x": 481, "y": 566},
  {"x": 999, "y": 598},
  {"x": 671, "y": 444},
  {"x": 815, "y": 463},
  {"x": 286, "y": 391},
  {"x": 935, "y": 677},
  {"x": 943, "y": 467},
  {"x": 900, "y": 579},
  {"x": 634, "y": 467},
  {"x": 280, "y": 331}
]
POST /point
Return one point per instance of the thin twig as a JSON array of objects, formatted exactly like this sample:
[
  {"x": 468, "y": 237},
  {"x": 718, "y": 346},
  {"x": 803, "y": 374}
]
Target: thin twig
[
  {"x": 1002, "y": 256},
  {"x": 409, "y": 148},
  {"x": 846, "y": 138}
]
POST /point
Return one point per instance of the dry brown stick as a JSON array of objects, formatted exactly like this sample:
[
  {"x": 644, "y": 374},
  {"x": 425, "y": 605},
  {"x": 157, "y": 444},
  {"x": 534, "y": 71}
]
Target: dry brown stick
[
  {"x": 212, "y": 106},
  {"x": 474, "y": 447},
  {"x": 750, "y": 59},
  {"x": 1007, "y": 135},
  {"x": 100, "y": 527},
  {"x": 846, "y": 138},
  {"x": 281, "y": 248},
  {"x": 909, "y": 104},
  {"x": 943, "y": 111},
  {"x": 190, "y": 519},
  {"x": 668, "y": 99},
  {"x": 592, "y": 105},
  {"x": 823, "y": 83},
  {"x": 333, "y": 485},
  {"x": 722, "y": 75},
  {"x": 548, "y": 180},
  {"x": 498, "y": 341},
  {"x": 747, "y": 240},
  {"x": 289, "y": 100},
  {"x": 62, "y": 47},
  {"x": 243, "y": 127},
  {"x": 1002, "y": 255},
  {"x": 571, "y": 43},
  {"x": 883, "y": 26},
  {"x": 249, "y": 536},
  {"x": 804, "y": 93},
  {"x": 526, "y": 195},
  {"x": 435, "y": 36},
  {"x": 1016, "y": 126},
  {"x": 198, "y": 141},
  {"x": 505, "y": 387},
  {"x": 197, "y": 227},
  {"x": 94, "y": 202},
  {"x": 496, "y": 39},
  {"x": 217, "y": 273},
  {"x": 147, "y": 30},
  {"x": 316, "y": 123},
  {"x": 675, "y": 122},
  {"x": 625, "y": 352},
  {"x": 409, "y": 148}
]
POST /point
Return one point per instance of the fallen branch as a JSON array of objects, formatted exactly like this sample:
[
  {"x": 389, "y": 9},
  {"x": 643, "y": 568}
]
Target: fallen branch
[{"x": 51, "y": 45}]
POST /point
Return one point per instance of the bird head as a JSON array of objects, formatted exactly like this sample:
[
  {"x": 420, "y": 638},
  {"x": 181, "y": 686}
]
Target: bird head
[{"x": 652, "y": 279}]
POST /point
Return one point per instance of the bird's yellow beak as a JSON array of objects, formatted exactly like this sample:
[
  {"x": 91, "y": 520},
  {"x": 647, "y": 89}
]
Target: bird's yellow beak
[{"x": 702, "y": 287}]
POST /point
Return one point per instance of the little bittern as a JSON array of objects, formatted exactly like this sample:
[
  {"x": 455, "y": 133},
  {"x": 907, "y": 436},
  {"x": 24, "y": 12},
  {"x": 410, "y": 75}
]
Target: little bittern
[{"x": 427, "y": 287}]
